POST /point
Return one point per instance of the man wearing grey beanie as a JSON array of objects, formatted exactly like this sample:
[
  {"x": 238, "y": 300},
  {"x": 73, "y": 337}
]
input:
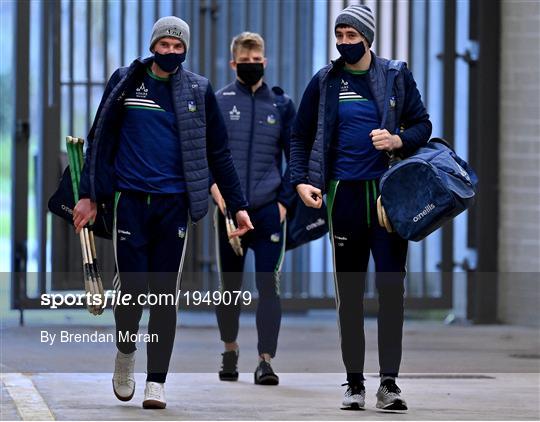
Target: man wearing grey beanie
[
  {"x": 157, "y": 135},
  {"x": 354, "y": 114}
]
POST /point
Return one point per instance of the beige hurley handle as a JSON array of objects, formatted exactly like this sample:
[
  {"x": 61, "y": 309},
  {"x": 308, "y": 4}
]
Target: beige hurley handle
[
  {"x": 233, "y": 241},
  {"x": 94, "y": 255},
  {"x": 382, "y": 217},
  {"x": 88, "y": 284},
  {"x": 95, "y": 277}
]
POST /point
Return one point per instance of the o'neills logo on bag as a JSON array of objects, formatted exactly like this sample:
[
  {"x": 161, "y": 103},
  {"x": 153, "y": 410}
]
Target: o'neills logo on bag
[
  {"x": 67, "y": 209},
  {"x": 424, "y": 212},
  {"x": 318, "y": 223}
]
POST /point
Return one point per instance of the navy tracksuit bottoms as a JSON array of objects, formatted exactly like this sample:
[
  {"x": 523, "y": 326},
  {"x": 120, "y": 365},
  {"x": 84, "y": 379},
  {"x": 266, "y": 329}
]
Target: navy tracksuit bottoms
[
  {"x": 150, "y": 234},
  {"x": 355, "y": 233},
  {"x": 267, "y": 241}
]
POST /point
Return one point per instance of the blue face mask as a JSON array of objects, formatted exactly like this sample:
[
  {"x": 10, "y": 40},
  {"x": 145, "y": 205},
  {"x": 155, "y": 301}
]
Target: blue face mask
[
  {"x": 169, "y": 62},
  {"x": 351, "y": 53}
]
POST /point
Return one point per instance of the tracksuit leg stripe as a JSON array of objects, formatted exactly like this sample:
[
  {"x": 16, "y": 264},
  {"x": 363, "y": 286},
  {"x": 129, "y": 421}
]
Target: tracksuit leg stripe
[
  {"x": 117, "y": 284},
  {"x": 179, "y": 277},
  {"x": 367, "y": 205},
  {"x": 331, "y": 198},
  {"x": 279, "y": 265},
  {"x": 218, "y": 249}
]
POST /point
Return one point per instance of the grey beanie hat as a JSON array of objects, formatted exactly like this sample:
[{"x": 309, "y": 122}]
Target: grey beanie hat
[
  {"x": 359, "y": 17},
  {"x": 170, "y": 26}
]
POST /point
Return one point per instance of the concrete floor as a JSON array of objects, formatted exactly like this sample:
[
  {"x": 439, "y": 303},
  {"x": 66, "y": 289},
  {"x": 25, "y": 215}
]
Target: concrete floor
[{"x": 448, "y": 373}]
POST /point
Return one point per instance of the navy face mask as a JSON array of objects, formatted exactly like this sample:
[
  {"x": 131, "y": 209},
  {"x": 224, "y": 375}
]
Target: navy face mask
[
  {"x": 351, "y": 53},
  {"x": 169, "y": 62}
]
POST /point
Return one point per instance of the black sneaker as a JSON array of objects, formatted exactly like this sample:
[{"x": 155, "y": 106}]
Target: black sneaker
[
  {"x": 264, "y": 374},
  {"x": 354, "y": 397},
  {"x": 388, "y": 397},
  {"x": 229, "y": 371}
]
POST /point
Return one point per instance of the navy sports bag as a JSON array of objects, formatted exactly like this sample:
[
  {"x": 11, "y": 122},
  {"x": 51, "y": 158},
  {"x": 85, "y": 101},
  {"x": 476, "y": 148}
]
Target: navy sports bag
[
  {"x": 305, "y": 224},
  {"x": 422, "y": 192},
  {"x": 61, "y": 203}
]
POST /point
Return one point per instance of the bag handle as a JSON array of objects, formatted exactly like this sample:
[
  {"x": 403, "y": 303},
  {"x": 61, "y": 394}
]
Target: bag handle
[{"x": 394, "y": 67}]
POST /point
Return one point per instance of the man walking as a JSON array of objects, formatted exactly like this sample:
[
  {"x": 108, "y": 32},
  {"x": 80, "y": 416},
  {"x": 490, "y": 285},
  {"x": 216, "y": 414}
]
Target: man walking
[
  {"x": 156, "y": 134},
  {"x": 353, "y": 114},
  {"x": 258, "y": 122}
]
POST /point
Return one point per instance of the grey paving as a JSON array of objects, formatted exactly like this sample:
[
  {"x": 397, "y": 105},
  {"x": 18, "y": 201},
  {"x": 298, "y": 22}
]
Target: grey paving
[
  {"x": 448, "y": 371},
  {"x": 8, "y": 410},
  {"x": 299, "y": 397}
]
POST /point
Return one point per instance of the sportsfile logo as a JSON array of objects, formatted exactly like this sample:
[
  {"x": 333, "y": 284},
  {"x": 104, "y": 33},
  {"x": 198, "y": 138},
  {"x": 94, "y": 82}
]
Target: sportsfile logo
[
  {"x": 318, "y": 223},
  {"x": 424, "y": 212}
]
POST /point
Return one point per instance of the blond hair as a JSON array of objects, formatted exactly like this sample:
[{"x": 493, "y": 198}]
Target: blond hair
[{"x": 247, "y": 40}]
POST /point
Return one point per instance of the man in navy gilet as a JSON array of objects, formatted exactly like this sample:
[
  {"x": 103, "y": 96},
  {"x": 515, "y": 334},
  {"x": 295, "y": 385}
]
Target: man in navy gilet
[
  {"x": 348, "y": 122},
  {"x": 258, "y": 121},
  {"x": 157, "y": 132}
]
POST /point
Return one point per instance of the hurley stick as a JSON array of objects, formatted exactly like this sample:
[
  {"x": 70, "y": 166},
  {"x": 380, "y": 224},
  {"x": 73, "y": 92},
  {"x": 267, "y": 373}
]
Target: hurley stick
[
  {"x": 69, "y": 149},
  {"x": 233, "y": 241},
  {"x": 96, "y": 265},
  {"x": 75, "y": 178},
  {"x": 93, "y": 276},
  {"x": 89, "y": 235}
]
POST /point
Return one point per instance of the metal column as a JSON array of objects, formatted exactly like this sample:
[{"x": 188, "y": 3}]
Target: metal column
[
  {"x": 19, "y": 158},
  {"x": 486, "y": 28}
]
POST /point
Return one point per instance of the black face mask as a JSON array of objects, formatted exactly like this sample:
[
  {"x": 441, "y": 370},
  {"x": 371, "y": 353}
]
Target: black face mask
[
  {"x": 169, "y": 62},
  {"x": 250, "y": 73},
  {"x": 351, "y": 53}
]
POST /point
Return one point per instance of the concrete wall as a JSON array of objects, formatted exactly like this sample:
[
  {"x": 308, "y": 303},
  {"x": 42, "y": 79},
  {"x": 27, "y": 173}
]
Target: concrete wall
[{"x": 519, "y": 202}]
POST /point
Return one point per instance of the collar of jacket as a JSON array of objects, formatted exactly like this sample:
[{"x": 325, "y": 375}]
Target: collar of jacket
[
  {"x": 141, "y": 62},
  {"x": 339, "y": 64},
  {"x": 261, "y": 91}
]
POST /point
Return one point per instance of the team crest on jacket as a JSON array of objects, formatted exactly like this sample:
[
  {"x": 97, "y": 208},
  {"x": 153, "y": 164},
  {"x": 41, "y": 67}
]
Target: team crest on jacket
[
  {"x": 234, "y": 114},
  {"x": 181, "y": 232},
  {"x": 191, "y": 106},
  {"x": 271, "y": 119},
  {"x": 141, "y": 92}
]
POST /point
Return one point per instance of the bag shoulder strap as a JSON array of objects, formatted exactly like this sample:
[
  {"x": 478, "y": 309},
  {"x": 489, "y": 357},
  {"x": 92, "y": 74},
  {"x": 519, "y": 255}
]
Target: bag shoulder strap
[
  {"x": 392, "y": 70},
  {"x": 122, "y": 71},
  {"x": 281, "y": 99}
]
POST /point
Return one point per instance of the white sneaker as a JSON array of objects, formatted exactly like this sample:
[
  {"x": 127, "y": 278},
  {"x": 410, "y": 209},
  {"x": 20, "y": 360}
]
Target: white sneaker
[
  {"x": 354, "y": 397},
  {"x": 154, "y": 396},
  {"x": 124, "y": 376},
  {"x": 389, "y": 397}
]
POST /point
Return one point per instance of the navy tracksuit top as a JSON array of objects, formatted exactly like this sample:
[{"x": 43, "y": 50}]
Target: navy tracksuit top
[{"x": 258, "y": 128}]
